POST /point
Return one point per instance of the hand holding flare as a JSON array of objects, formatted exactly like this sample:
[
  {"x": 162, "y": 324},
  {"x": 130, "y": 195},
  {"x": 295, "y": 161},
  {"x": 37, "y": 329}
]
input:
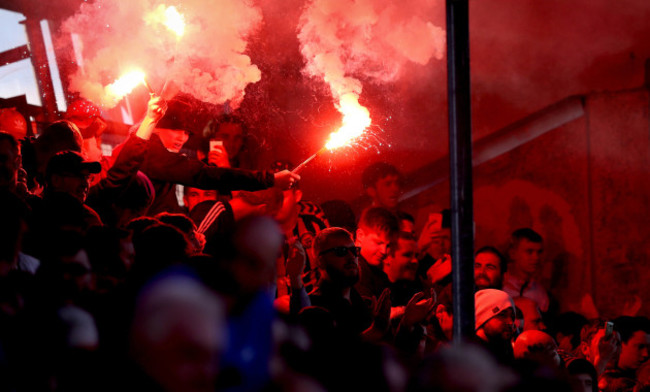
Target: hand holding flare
[{"x": 156, "y": 109}]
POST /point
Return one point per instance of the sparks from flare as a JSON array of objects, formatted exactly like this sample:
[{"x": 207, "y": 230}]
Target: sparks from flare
[{"x": 356, "y": 119}]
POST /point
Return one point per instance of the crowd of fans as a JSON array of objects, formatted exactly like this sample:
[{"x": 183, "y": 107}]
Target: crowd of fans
[{"x": 108, "y": 283}]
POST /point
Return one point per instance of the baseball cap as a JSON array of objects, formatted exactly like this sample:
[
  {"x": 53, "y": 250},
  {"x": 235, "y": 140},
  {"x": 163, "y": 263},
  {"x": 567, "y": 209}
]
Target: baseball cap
[{"x": 71, "y": 162}]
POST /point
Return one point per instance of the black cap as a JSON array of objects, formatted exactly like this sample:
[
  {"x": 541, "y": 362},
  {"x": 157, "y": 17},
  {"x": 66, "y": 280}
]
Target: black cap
[
  {"x": 71, "y": 162},
  {"x": 179, "y": 116}
]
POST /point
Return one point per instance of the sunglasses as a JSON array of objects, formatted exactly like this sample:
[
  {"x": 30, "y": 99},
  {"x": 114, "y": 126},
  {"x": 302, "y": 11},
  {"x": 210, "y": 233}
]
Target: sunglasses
[{"x": 341, "y": 251}]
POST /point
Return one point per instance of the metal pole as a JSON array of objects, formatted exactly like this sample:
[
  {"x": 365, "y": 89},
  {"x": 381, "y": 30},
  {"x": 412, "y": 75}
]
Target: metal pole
[
  {"x": 41, "y": 67},
  {"x": 460, "y": 162}
]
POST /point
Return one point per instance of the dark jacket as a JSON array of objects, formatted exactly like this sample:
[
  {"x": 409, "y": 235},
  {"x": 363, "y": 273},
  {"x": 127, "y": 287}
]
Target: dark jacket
[
  {"x": 103, "y": 195},
  {"x": 165, "y": 169},
  {"x": 372, "y": 280},
  {"x": 351, "y": 317}
]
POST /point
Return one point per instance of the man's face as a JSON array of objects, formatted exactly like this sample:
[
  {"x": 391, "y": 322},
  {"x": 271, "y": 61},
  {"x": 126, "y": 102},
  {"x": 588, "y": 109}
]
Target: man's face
[
  {"x": 194, "y": 196},
  {"x": 487, "y": 271},
  {"x": 500, "y": 327},
  {"x": 386, "y": 192},
  {"x": 526, "y": 256},
  {"x": 582, "y": 382},
  {"x": 232, "y": 136},
  {"x": 404, "y": 263},
  {"x": 74, "y": 184},
  {"x": 532, "y": 317},
  {"x": 374, "y": 245},
  {"x": 173, "y": 139},
  {"x": 9, "y": 164},
  {"x": 635, "y": 352},
  {"x": 340, "y": 269},
  {"x": 77, "y": 270}
]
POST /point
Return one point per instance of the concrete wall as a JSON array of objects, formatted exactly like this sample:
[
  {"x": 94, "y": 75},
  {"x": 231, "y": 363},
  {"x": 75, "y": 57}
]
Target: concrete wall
[{"x": 585, "y": 187}]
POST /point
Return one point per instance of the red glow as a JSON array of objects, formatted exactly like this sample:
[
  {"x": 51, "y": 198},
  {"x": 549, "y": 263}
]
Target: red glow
[{"x": 356, "y": 119}]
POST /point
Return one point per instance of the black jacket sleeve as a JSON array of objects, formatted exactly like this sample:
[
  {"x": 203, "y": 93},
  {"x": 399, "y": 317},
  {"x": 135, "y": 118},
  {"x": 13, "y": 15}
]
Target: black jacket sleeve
[
  {"x": 126, "y": 165},
  {"x": 165, "y": 166}
]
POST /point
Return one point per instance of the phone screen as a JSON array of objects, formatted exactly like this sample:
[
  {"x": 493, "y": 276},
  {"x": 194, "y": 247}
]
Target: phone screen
[{"x": 215, "y": 144}]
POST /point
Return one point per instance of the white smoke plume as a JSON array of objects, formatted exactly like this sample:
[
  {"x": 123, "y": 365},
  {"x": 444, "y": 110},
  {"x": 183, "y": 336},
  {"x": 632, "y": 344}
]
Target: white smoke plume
[
  {"x": 345, "y": 40},
  {"x": 208, "y": 61}
]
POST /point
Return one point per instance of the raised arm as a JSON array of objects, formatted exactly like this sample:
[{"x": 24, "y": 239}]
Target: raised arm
[{"x": 156, "y": 109}]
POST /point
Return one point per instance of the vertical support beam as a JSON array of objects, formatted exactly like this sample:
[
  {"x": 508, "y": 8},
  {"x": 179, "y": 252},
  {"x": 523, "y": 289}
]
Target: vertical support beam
[
  {"x": 65, "y": 59},
  {"x": 460, "y": 162},
  {"x": 41, "y": 67}
]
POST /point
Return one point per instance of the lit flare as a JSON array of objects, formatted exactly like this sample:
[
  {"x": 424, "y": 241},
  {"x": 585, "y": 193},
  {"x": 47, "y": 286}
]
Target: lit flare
[
  {"x": 124, "y": 85},
  {"x": 356, "y": 119},
  {"x": 169, "y": 17},
  {"x": 174, "y": 21}
]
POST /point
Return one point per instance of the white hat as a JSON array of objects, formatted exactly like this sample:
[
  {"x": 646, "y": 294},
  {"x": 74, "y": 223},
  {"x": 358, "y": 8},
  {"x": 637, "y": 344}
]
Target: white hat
[{"x": 490, "y": 302}]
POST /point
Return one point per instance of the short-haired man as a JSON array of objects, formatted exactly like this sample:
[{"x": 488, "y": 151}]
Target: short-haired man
[
  {"x": 489, "y": 267},
  {"x": 521, "y": 279},
  {"x": 635, "y": 344},
  {"x": 337, "y": 260},
  {"x": 69, "y": 172},
  {"x": 193, "y": 196},
  {"x": 67, "y": 177},
  {"x": 376, "y": 230},
  {"x": 401, "y": 266},
  {"x": 495, "y": 323},
  {"x": 537, "y": 346},
  {"x": 596, "y": 346},
  {"x": 383, "y": 183}
]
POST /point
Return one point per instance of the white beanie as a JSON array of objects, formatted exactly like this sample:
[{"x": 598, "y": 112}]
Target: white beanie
[{"x": 490, "y": 302}]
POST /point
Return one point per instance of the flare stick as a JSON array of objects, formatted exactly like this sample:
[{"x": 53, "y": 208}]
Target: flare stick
[
  {"x": 299, "y": 168},
  {"x": 148, "y": 86}
]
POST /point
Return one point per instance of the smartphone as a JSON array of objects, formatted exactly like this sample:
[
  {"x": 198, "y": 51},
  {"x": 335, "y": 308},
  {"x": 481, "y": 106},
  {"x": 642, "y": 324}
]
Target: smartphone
[
  {"x": 216, "y": 145},
  {"x": 609, "y": 329}
]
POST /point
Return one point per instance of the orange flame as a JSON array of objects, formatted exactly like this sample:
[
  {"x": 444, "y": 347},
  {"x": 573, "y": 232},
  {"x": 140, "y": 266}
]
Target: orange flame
[
  {"x": 124, "y": 85},
  {"x": 356, "y": 119},
  {"x": 169, "y": 17},
  {"x": 175, "y": 21}
]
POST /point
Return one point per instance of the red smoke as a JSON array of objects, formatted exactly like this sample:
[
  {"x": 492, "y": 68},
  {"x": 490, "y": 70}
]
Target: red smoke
[{"x": 208, "y": 61}]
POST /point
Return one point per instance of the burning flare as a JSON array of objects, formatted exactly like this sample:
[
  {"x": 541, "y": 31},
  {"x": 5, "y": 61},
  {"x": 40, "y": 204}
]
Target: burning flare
[
  {"x": 169, "y": 17},
  {"x": 175, "y": 21},
  {"x": 356, "y": 119},
  {"x": 124, "y": 85}
]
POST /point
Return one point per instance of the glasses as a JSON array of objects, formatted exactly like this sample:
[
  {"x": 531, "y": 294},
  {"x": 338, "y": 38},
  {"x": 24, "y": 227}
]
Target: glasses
[{"x": 341, "y": 251}]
